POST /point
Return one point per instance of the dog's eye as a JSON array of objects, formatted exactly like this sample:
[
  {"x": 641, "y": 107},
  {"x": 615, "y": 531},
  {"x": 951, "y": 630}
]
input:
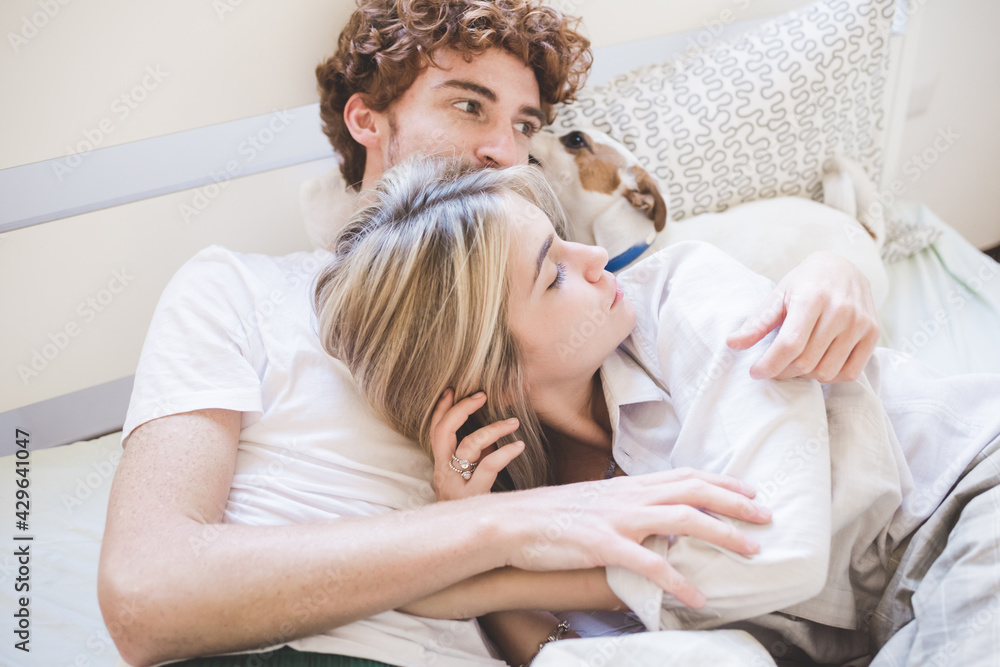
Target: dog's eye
[
  {"x": 533, "y": 160},
  {"x": 575, "y": 140}
]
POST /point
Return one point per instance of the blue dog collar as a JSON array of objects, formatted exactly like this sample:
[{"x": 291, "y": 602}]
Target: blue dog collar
[{"x": 620, "y": 261}]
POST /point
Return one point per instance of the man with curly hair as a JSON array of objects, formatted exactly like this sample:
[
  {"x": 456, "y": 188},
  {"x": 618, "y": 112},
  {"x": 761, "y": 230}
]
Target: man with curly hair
[
  {"x": 259, "y": 504},
  {"x": 504, "y": 65}
]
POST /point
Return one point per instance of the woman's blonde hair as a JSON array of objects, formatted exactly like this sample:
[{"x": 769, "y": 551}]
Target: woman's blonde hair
[{"x": 416, "y": 300}]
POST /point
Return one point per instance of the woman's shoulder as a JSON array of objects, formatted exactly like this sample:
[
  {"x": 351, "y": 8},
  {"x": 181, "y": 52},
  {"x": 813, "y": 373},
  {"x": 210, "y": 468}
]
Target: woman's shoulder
[
  {"x": 689, "y": 297},
  {"x": 696, "y": 277},
  {"x": 692, "y": 260}
]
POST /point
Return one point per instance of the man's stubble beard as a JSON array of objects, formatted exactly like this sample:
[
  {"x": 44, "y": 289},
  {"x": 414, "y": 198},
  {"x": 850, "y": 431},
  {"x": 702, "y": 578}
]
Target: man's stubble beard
[{"x": 392, "y": 151}]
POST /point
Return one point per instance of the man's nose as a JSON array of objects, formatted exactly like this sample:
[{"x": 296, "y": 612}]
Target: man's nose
[{"x": 499, "y": 149}]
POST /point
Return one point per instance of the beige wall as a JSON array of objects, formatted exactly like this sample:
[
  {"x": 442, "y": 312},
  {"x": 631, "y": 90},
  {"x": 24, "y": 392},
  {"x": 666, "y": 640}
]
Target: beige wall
[
  {"x": 213, "y": 65},
  {"x": 956, "y": 87},
  {"x": 77, "y": 294},
  {"x": 179, "y": 65}
]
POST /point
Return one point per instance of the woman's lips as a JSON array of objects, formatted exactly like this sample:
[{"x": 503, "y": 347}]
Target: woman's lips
[{"x": 619, "y": 293}]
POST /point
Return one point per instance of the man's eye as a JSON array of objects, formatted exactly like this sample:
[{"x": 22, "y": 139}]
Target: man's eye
[
  {"x": 468, "y": 106},
  {"x": 560, "y": 276},
  {"x": 527, "y": 128}
]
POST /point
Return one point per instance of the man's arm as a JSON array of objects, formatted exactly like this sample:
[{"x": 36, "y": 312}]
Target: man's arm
[
  {"x": 179, "y": 583},
  {"x": 829, "y": 324},
  {"x": 174, "y": 582}
]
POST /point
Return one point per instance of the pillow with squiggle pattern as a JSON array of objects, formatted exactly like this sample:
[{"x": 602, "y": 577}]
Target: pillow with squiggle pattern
[{"x": 756, "y": 117}]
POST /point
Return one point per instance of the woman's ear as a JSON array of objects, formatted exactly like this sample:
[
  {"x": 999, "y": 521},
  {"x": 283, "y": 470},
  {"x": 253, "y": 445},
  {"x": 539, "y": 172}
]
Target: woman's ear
[{"x": 363, "y": 123}]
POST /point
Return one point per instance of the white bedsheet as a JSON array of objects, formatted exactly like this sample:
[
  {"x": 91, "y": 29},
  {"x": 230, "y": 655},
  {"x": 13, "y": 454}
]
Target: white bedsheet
[
  {"x": 69, "y": 499},
  {"x": 944, "y": 302},
  {"x": 943, "y": 309}
]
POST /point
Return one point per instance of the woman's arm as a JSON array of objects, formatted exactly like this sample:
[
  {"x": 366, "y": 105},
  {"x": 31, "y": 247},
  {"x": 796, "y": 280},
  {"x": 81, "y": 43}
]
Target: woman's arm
[
  {"x": 771, "y": 434},
  {"x": 509, "y": 589},
  {"x": 520, "y": 634},
  {"x": 517, "y": 626},
  {"x": 515, "y": 600}
]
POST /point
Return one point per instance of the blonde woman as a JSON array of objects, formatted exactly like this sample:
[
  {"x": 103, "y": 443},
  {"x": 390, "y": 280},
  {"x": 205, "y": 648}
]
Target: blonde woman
[{"x": 516, "y": 360}]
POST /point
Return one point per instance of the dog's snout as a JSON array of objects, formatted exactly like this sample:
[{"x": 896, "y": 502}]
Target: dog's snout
[{"x": 576, "y": 140}]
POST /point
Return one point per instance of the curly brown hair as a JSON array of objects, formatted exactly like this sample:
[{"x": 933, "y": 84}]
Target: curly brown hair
[{"x": 387, "y": 43}]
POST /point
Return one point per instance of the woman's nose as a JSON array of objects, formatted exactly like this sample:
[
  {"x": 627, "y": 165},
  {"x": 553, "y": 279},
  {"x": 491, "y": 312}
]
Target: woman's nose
[{"x": 596, "y": 258}]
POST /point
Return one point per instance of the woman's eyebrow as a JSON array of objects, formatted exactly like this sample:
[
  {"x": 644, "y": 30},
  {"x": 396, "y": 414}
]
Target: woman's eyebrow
[{"x": 541, "y": 256}]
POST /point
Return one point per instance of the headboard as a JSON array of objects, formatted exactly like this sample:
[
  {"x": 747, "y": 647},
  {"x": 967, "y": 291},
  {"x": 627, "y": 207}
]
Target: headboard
[{"x": 147, "y": 133}]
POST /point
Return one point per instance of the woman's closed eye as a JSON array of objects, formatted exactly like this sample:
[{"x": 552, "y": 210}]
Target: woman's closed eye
[{"x": 560, "y": 276}]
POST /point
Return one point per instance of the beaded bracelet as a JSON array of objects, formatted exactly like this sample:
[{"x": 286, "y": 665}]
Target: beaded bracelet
[{"x": 556, "y": 635}]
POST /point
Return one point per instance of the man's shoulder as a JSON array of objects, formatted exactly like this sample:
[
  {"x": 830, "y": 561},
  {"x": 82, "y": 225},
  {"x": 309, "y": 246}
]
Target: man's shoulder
[
  {"x": 224, "y": 269},
  {"x": 217, "y": 257}
]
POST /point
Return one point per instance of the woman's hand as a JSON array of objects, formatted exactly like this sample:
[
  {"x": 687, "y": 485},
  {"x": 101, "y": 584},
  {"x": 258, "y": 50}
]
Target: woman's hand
[{"x": 461, "y": 469}]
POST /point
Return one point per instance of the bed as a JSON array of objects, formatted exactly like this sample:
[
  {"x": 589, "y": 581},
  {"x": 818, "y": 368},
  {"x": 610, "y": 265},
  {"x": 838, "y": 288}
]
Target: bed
[{"x": 92, "y": 227}]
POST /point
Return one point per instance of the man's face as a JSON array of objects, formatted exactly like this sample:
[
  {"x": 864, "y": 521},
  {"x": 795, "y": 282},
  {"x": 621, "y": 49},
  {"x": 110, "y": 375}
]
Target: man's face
[{"x": 484, "y": 111}]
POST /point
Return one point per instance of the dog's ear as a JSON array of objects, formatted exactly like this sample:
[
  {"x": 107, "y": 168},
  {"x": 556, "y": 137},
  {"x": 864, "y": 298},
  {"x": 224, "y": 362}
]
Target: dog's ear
[{"x": 646, "y": 198}]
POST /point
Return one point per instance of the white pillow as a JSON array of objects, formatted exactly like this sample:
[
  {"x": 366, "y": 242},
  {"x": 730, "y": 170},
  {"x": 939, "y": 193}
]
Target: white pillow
[{"x": 756, "y": 117}]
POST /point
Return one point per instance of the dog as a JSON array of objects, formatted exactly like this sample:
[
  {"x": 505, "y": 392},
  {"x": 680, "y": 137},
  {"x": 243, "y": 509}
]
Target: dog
[{"x": 611, "y": 201}]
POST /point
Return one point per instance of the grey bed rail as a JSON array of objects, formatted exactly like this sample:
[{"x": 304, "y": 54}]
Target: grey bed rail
[
  {"x": 80, "y": 415},
  {"x": 104, "y": 177}
]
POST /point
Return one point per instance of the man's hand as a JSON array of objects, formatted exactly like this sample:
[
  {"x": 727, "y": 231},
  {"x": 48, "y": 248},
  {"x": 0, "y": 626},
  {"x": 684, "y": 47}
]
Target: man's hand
[
  {"x": 829, "y": 326},
  {"x": 596, "y": 524}
]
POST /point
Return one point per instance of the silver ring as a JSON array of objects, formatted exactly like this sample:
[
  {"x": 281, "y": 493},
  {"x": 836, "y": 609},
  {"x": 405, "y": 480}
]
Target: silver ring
[{"x": 465, "y": 468}]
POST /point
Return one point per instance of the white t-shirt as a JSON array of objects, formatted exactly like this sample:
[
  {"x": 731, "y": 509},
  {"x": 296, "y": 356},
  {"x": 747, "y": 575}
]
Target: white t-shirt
[{"x": 238, "y": 332}]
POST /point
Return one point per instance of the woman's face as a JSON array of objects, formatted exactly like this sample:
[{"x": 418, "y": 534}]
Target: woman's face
[{"x": 566, "y": 312}]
